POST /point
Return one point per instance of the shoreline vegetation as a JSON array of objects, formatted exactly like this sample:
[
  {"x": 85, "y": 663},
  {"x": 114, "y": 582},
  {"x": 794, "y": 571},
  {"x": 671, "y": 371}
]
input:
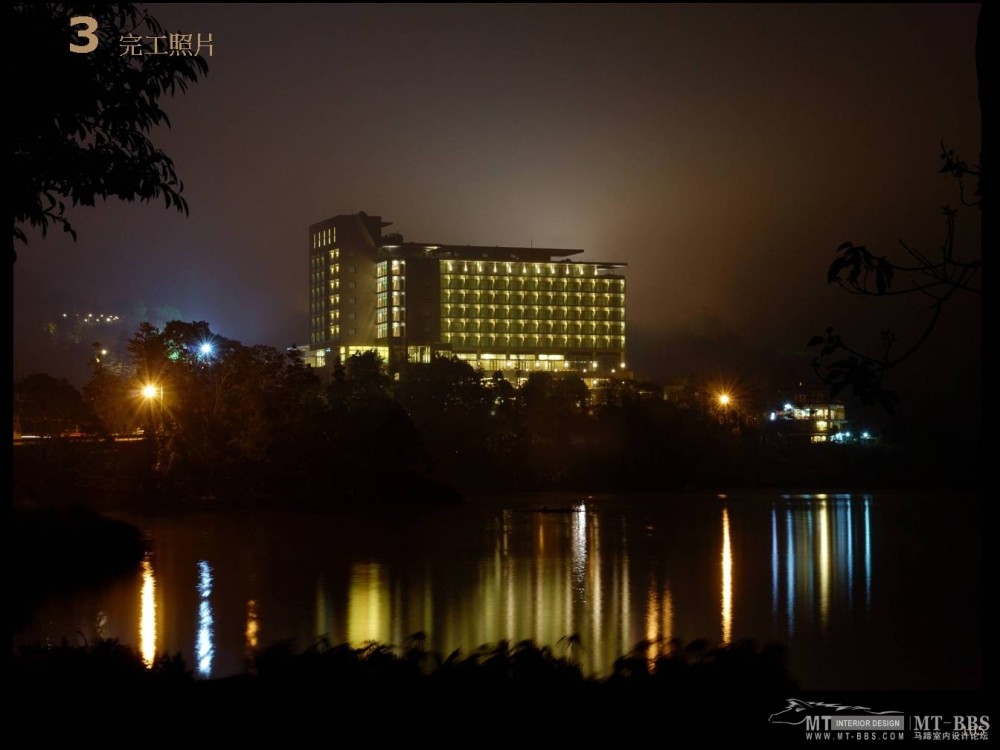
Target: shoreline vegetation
[
  {"x": 65, "y": 549},
  {"x": 193, "y": 415},
  {"x": 340, "y": 670},
  {"x": 109, "y": 476}
]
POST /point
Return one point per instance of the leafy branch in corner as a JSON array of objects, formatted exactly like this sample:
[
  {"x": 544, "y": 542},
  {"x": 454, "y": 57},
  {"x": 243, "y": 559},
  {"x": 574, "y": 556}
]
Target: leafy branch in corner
[
  {"x": 936, "y": 276},
  {"x": 83, "y": 121}
]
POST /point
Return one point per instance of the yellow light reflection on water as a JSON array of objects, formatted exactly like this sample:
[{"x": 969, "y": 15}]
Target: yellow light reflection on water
[
  {"x": 659, "y": 621},
  {"x": 368, "y": 615},
  {"x": 824, "y": 563},
  {"x": 147, "y": 615},
  {"x": 727, "y": 581},
  {"x": 253, "y": 626}
]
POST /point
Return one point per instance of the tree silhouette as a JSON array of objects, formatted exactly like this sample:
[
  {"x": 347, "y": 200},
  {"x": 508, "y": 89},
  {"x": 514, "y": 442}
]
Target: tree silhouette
[
  {"x": 85, "y": 134},
  {"x": 937, "y": 277}
]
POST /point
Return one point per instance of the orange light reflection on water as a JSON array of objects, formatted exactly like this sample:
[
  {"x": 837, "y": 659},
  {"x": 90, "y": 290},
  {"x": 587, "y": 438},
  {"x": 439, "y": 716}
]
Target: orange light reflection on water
[{"x": 147, "y": 615}]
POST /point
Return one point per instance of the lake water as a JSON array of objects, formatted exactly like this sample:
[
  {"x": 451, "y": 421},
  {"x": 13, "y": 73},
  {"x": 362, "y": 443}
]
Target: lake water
[{"x": 866, "y": 591}]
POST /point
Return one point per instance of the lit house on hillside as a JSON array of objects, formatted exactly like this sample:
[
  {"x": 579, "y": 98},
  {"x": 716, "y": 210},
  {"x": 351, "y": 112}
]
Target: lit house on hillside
[
  {"x": 513, "y": 309},
  {"x": 808, "y": 414}
]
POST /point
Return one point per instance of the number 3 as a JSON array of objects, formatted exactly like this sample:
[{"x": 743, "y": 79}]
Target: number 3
[{"x": 89, "y": 27}]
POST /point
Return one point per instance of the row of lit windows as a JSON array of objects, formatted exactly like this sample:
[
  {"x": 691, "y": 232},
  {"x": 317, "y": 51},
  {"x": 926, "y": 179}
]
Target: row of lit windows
[
  {"x": 382, "y": 315},
  {"x": 533, "y": 298},
  {"x": 335, "y": 331},
  {"x": 517, "y": 327},
  {"x": 613, "y": 343},
  {"x": 532, "y": 283},
  {"x": 525, "y": 362},
  {"x": 524, "y": 309},
  {"x": 324, "y": 237},
  {"x": 513, "y": 364},
  {"x": 383, "y": 283},
  {"x": 559, "y": 315},
  {"x": 349, "y": 351},
  {"x": 518, "y": 268},
  {"x": 384, "y": 299},
  {"x": 421, "y": 354},
  {"x": 382, "y": 330},
  {"x": 383, "y": 268}
]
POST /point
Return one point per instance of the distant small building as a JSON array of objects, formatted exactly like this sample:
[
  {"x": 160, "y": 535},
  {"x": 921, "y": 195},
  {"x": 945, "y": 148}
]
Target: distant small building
[{"x": 810, "y": 414}]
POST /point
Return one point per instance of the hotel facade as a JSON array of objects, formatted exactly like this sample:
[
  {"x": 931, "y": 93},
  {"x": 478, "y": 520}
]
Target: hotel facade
[{"x": 511, "y": 309}]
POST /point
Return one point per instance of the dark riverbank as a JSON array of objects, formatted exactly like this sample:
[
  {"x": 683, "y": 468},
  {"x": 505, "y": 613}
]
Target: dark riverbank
[
  {"x": 59, "y": 550},
  {"x": 379, "y": 677},
  {"x": 108, "y": 476}
]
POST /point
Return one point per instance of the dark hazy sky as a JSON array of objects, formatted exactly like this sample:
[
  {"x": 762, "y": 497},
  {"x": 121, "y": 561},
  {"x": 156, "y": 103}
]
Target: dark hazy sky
[{"x": 722, "y": 152}]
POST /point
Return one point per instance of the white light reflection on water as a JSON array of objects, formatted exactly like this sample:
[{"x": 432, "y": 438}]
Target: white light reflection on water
[
  {"x": 774, "y": 564},
  {"x": 849, "y": 528},
  {"x": 868, "y": 558},
  {"x": 579, "y": 552},
  {"x": 790, "y": 572},
  {"x": 205, "y": 645},
  {"x": 819, "y": 555}
]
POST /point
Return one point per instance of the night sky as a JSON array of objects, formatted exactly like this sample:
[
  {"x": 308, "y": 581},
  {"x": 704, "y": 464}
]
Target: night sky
[{"x": 722, "y": 152}]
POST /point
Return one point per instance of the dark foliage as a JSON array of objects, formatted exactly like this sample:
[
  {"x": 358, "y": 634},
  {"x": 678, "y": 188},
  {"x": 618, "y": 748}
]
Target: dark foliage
[
  {"x": 50, "y": 407},
  {"x": 82, "y": 125},
  {"x": 936, "y": 277}
]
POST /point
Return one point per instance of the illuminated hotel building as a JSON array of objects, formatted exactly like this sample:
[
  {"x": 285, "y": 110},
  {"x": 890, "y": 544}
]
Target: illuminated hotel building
[{"x": 513, "y": 309}]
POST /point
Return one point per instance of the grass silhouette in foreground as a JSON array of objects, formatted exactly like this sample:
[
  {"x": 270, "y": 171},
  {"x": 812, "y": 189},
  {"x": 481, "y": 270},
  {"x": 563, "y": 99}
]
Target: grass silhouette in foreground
[
  {"x": 507, "y": 689},
  {"x": 504, "y": 665}
]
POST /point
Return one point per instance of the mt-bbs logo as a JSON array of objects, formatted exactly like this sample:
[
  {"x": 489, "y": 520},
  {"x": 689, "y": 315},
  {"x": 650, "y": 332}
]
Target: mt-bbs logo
[
  {"x": 819, "y": 716},
  {"x": 930, "y": 723}
]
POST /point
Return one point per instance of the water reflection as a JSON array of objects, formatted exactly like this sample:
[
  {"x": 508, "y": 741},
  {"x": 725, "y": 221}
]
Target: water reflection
[
  {"x": 659, "y": 619},
  {"x": 205, "y": 646},
  {"x": 727, "y": 581},
  {"x": 819, "y": 556},
  {"x": 545, "y": 577},
  {"x": 368, "y": 608},
  {"x": 252, "y": 628},
  {"x": 868, "y": 558},
  {"x": 147, "y": 614},
  {"x": 613, "y": 576}
]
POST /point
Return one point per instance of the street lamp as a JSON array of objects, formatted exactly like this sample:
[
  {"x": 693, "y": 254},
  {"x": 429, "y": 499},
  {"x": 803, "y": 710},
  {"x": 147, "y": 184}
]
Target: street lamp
[{"x": 724, "y": 399}]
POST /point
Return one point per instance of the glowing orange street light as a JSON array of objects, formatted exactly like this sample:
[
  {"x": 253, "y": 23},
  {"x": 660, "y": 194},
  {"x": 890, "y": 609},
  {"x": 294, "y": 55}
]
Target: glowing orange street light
[{"x": 724, "y": 399}]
